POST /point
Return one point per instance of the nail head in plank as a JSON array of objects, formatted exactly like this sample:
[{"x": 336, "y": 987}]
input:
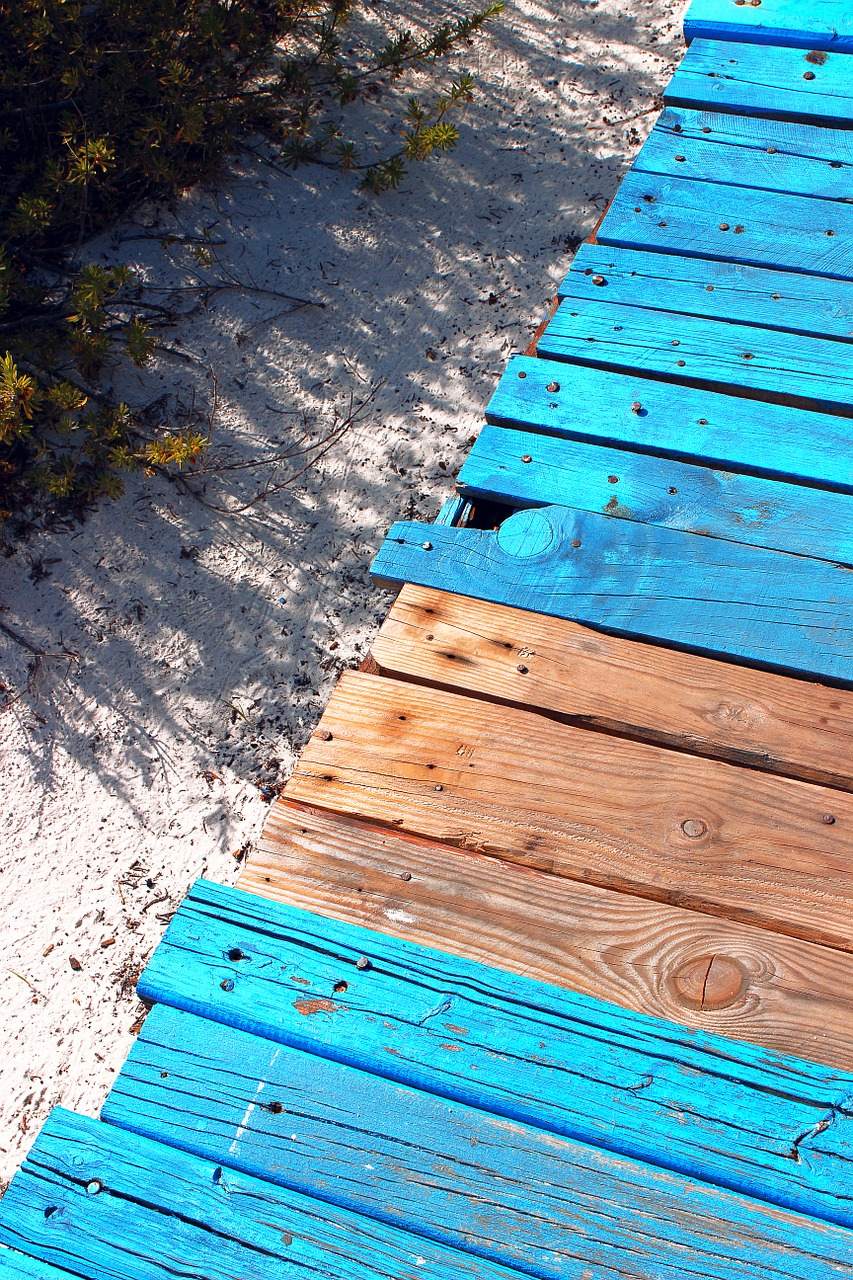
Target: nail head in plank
[
  {"x": 800, "y": 24},
  {"x": 818, "y": 308},
  {"x": 787, "y": 84},
  {"x": 783, "y": 368},
  {"x": 710, "y": 220},
  {"x": 641, "y": 955},
  {"x": 784, "y": 612},
  {"x": 453, "y": 1173},
  {"x": 640, "y": 1087},
  {"x": 592, "y": 807},
  {"x": 525, "y": 470},
  {"x": 159, "y": 1212},
  {"x": 581, "y": 676}
]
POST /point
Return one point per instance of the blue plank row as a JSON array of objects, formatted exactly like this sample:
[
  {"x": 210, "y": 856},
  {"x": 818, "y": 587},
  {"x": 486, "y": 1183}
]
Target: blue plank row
[
  {"x": 813, "y": 306},
  {"x": 17, "y": 1266},
  {"x": 109, "y": 1205},
  {"x": 800, "y": 24},
  {"x": 742, "y": 151},
  {"x": 721, "y": 1111},
  {"x": 777, "y": 83},
  {"x": 674, "y": 421},
  {"x": 510, "y": 1193},
  {"x": 783, "y": 368},
  {"x": 709, "y": 220},
  {"x": 787, "y": 612},
  {"x": 526, "y": 470}
]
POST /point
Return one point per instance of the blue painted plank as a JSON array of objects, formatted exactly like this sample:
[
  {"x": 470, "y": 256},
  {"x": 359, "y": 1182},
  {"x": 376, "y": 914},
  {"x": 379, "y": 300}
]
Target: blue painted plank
[
  {"x": 799, "y": 24},
  {"x": 17, "y": 1266},
  {"x": 549, "y": 1206},
  {"x": 762, "y": 364},
  {"x": 742, "y": 151},
  {"x": 784, "y": 84},
  {"x": 810, "y": 305},
  {"x": 707, "y": 220},
  {"x": 786, "y": 612},
  {"x": 526, "y": 470},
  {"x": 720, "y": 1111},
  {"x": 674, "y": 421},
  {"x": 109, "y": 1205}
]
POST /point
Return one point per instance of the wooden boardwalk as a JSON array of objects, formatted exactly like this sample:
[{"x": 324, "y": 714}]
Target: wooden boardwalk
[{"x": 545, "y": 965}]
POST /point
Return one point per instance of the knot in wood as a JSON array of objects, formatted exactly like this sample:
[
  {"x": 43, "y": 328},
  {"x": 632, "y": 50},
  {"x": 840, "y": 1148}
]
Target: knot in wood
[
  {"x": 709, "y": 982},
  {"x": 694, "y": 827}
]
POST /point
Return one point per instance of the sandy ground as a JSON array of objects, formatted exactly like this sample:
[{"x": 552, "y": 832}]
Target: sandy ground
[{"x": 191, "y": 651}]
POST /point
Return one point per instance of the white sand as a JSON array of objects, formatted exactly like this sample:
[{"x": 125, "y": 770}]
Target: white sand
[{"x": 134, "y": 768}]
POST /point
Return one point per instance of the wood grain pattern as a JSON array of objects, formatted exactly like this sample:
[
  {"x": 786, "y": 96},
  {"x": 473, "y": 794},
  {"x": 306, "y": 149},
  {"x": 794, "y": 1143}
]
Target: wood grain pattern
[
  {"x": 641, "y": 581},
  {"x": 745, "y": 151},
  {"x": 164, "y": 1214},
  {"x": 700, "y": 1105},
  {"x": 17, "y": 1266},
  {"x": 674, "y": 421},
  {"x": 620, "y": 814},
  {"x": 710, "y": 220},
  {"x": 520, "y": 469},
  {"x": 784, "y": 368},
  {"x": 800, "y": 24},
  {"x": 582, "y": 677},
  {"x": 783, "y": 300},
  {"x": 783, "y": 83},
  {"x": 463, "y": 1177}
]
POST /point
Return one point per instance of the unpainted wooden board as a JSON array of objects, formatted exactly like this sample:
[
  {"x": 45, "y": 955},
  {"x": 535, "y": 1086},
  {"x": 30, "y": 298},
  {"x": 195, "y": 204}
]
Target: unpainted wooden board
[
  {"x": 800, "y": 24},
  {"x": 782, "y": 611},
  {"x": 703, "y": 1106},
  {"x": 784, "y": 83},
  {"x": 711, "y": 220},
  {"x": 111, "y": 1205},
  {"x": 745, "y": 151},
  {"x": 520, "y": 469},
  {"x": 675, "y": 421},
  {"x": 784, "y": 300},
  {"x": 645, "y": 956},
  {"x": 583, "y": 677},
  {"x": 784, "y": 368},
  {"x": 603, "y": 810},
  {"x": 453, "y": 1173}
]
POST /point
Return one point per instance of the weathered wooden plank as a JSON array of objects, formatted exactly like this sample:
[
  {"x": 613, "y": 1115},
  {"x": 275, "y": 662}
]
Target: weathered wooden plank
[
  {"x": 747, "y": 151},
  {"x": 710, "y": 220},
  {"x": 782, "y": 368},
  {"x": 816, "y": 307},
  {"x": 17, "y": 1266},
  {"x": 521, "y": 469},
  {"x": 624, "y": 815},
  {"x": 461, "y": 1176},
  {"x": 645, "y": 956},
  {"x": 788, "y": 84},
  {"x": 110, "y": 1205},
  {"x": 674, "y": 421},
  {"x": 799, "y": 24},
  {"x": 708, "y": 1108},
  {"x": 583, "y": 677},
  {"x": 786, "y": 612}
]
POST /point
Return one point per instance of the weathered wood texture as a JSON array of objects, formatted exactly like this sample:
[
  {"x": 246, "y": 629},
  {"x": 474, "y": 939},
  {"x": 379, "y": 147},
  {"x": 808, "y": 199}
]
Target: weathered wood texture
[
  {"x": 698, "y": 970},
  {"x": 783, "y": 368},
  {"x": 17, "y": 1266},
  {"x": 784, "y": 83},
  {"x": 743, "y": 151},
  {"x": 462, "y": 1175},
  {"x": 704, "y": 1106},
  {"x": 641, "y": 581},
  {"x": 583, "y": 677},
  {"x": 675, "y": 421},
  {"x": 155, "y": 1212},
  {"x": 520, "y": 469},
  {"x": 621, "y": 814},
  {"x": 800, "y": 24},
  {"x": 710, "y": 220},
  {"x": 784, "y": 300}
]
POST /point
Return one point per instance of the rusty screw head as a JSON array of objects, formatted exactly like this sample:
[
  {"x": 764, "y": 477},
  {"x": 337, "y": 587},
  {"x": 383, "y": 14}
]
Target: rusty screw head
[
  {"x": 576, "y": 542},
  {"x": 439, "y": 787},
  {"x": 522, "y": 374},
  {"x": 612, "y": 479},
  {"x": 525, "y": 457},
  {"x": 808, "y": 75},
  {"x": 553, "y": 387},
  {"x": 724, "y": 226},
  {"x": 522, "y": 668},
  {"x": 636, "y": 407},
  {"x": 324, "y": 735},
  {"x": 427, "y": 546},
  {"x": 405, "y": 875},
  {"x": 829, "y": 819},
  {"x": 599, "y": 280},
  {"x": 362, "y": 963}
]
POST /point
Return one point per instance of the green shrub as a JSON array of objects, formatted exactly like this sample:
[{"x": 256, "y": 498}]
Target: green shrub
[{"x": 107, "y": 103}]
